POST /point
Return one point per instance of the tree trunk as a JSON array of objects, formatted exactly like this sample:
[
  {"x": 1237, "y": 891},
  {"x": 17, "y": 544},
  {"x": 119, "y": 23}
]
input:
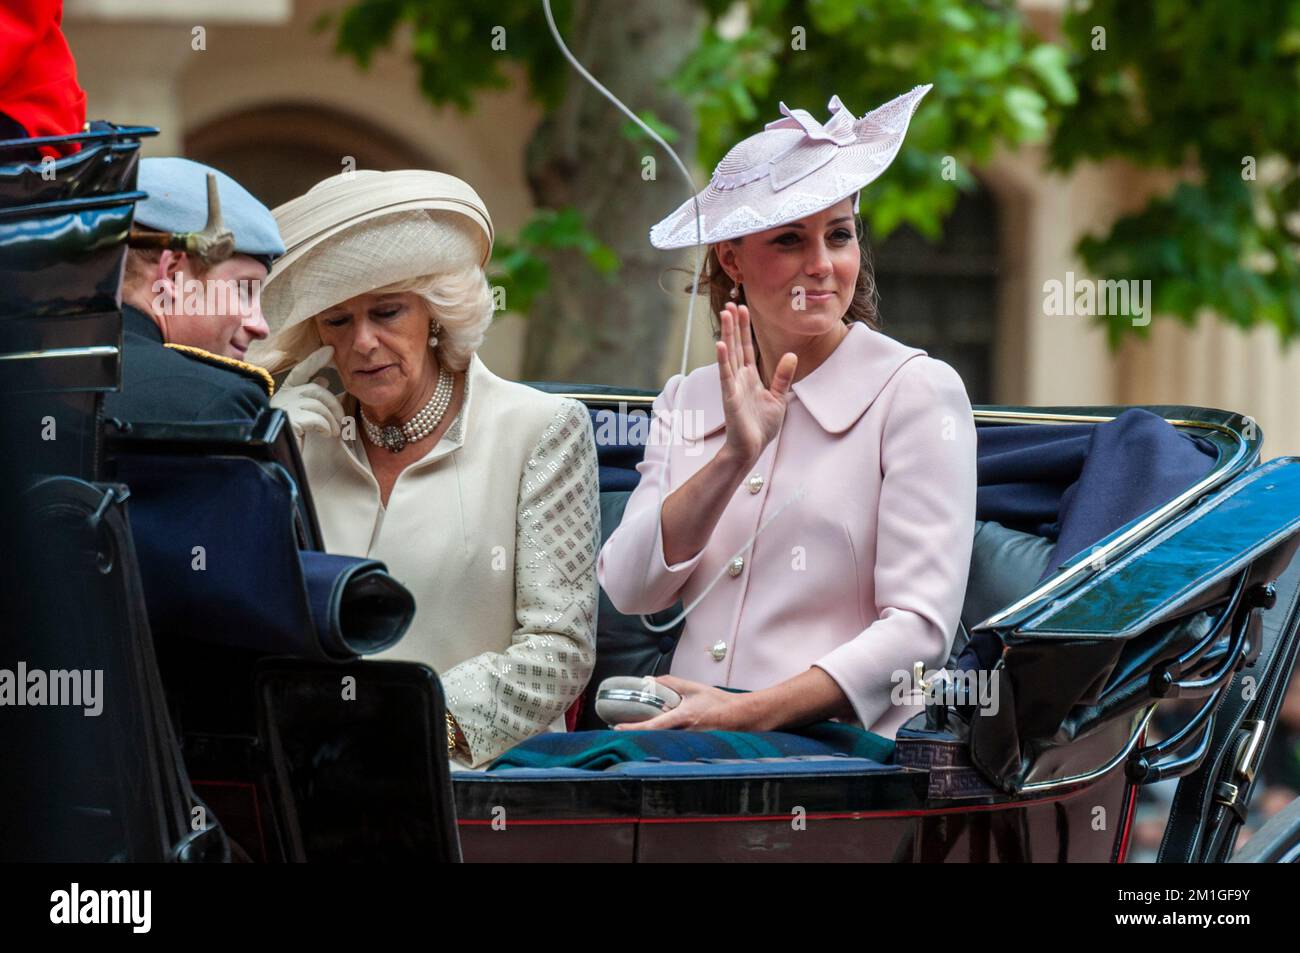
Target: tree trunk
[{"x": 587, "y": 327}]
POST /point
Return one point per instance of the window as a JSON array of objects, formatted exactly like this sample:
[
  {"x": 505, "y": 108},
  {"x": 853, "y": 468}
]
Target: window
[{"x": 942, "y": 297}]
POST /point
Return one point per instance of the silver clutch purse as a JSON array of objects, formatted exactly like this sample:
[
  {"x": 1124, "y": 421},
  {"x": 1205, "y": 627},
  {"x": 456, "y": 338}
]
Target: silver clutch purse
[{"x": 627, "y": 698}]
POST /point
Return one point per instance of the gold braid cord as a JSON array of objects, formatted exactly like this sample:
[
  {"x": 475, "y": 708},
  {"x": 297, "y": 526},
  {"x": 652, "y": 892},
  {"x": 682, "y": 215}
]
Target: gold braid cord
[{"x": 259, "y": 375}]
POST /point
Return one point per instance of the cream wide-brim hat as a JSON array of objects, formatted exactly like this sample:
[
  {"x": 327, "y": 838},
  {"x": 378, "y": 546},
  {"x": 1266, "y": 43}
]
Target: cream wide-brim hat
[
  {"x": 359, "y": 231},
  {"x": 795, "y": 167}
]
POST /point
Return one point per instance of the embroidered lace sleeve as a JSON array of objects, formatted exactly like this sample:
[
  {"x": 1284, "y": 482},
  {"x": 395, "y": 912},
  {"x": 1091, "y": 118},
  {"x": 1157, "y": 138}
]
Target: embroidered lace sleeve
[{"x": 501, "y": 698}]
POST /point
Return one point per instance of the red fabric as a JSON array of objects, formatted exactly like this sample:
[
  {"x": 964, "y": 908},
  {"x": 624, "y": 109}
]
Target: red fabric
[
  {"x": 571, "y": 716},
  {"x": 38, "y": 77}
]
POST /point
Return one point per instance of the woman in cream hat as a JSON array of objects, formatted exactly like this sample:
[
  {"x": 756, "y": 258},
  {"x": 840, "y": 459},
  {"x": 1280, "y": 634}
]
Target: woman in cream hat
[
  {"x": 818, "y": 520},
  {"x": 480, "y": 494}
]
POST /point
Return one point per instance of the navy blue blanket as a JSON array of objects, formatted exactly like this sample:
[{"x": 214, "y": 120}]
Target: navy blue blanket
[
  {"x": 1134, "y": 464},
  {"x": 1078, "y": 483},
  {"x": 1125, "y": 468}
]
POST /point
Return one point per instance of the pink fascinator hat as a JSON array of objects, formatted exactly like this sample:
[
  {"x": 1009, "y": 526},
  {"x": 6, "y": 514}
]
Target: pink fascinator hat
[{"x": 796, "y": 166}]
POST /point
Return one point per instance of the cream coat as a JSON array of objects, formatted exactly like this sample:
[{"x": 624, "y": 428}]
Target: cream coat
[
  {"x": 869, "y": 488},
  {"x": 495, "y": 532}
]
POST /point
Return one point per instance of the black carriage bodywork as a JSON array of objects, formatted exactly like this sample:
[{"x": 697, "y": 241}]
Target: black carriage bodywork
[
  {"x": 214, "y": 751},
  {"x": 95, "y": 575},
  {"x": 1049, "y": 780}
]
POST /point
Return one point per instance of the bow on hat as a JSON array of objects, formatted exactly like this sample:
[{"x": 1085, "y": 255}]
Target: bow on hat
[
  {"x": 842, "y": 129},
  {"x": 839, "y": 129},
  {"x": 821, "y": 143}
]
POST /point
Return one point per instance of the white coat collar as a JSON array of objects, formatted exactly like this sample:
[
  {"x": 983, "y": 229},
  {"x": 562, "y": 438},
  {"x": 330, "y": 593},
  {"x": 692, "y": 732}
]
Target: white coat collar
[{"x": 836, "y": 394}]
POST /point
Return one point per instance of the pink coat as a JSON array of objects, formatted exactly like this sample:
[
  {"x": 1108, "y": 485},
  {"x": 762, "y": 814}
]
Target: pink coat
[{"x": 862, "y": 573}]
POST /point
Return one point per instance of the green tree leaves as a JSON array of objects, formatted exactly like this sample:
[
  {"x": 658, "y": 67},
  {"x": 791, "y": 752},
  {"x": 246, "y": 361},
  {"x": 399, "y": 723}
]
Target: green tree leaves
[
  {"x": 994, "y": 83},
  {"x": 519, "y": 267},
  {"x": 1210, "y": 88},
  {"x": 1187, "y": 86}
]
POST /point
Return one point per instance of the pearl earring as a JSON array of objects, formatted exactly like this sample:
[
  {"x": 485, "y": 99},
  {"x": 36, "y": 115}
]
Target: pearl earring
[
  {"x": 735, "y": 291},
  {"x": 434, "y": 330}
]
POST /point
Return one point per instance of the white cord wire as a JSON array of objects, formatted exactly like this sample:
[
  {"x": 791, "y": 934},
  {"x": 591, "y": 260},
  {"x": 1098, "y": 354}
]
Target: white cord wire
[
  {"x": 690, "y": 310},
  {"x": 618, "y": 104}
]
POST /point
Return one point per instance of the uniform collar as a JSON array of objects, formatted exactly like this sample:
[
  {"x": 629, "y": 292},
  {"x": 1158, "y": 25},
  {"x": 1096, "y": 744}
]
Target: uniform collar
[
  {"x": 135, "y": 321},
  {"x": 836, "y": 394}
]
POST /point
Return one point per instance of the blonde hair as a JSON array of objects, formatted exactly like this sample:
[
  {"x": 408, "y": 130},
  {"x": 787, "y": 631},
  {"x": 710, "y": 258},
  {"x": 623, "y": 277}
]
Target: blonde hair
[{"x": 459, "y": 300}]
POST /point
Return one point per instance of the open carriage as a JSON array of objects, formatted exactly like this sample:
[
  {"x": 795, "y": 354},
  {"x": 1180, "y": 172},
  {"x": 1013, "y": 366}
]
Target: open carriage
[{"x": 1129, "y": 564}]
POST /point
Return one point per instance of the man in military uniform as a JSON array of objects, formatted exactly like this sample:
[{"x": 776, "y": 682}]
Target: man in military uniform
[{"x": 187, "y": 324}]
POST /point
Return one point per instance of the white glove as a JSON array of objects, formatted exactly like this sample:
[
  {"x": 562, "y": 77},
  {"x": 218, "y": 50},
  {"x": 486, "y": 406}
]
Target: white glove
[{"x": 309, "y": 404}]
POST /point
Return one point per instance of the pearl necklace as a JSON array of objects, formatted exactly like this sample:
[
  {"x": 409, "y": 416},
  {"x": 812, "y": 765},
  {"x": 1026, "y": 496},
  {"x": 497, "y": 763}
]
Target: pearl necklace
[{"x": 394, "y": 438}]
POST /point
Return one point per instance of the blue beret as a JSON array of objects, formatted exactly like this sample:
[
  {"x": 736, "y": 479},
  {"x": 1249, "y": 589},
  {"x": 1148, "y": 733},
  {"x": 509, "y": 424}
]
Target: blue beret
[{"x": 178, "y": 202}]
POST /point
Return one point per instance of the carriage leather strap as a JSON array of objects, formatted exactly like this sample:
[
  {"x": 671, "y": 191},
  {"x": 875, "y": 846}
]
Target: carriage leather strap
[{"x": 1202, "y": 828}]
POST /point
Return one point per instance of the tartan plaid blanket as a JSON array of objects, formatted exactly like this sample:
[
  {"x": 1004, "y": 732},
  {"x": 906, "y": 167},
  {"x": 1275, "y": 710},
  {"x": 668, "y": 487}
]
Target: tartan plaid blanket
[{"x": 598, "y": 750}]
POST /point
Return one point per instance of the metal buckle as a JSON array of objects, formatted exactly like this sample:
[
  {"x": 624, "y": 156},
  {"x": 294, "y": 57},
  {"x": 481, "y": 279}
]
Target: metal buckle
[
  {"x": 1229, "y": 795},
  {"x": 1249, "y": 751},
  {"x": 1244, "y": 765}
]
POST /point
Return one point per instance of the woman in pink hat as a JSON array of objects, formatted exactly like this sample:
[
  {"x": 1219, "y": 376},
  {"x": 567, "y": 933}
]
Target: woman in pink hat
[{"x": 811, "y": 496}]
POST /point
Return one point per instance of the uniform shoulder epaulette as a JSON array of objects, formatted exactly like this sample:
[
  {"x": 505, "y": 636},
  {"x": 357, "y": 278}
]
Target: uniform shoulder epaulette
[{"x": 258, "y": 375}]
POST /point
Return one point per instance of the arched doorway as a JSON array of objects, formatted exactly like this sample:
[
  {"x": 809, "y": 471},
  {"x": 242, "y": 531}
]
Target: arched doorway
[{"x": 280, "y": 151}]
